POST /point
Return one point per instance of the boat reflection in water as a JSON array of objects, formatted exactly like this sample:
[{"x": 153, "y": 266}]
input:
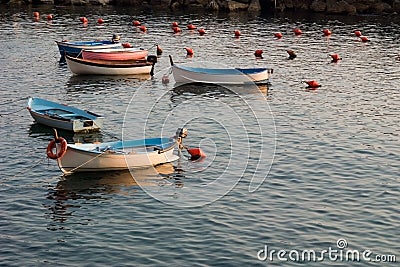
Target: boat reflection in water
[
  {"x": 75, "y": 190},
  {"x": 37, "y": 130},
  {"x": 220, "y": 90},
  {"x": 96, "y": 83}
]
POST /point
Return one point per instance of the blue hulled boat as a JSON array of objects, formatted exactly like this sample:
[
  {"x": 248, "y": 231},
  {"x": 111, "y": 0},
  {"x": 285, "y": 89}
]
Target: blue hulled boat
[
  {"x": 62, "y": 116},
  {"x": 74, "y": 48}
]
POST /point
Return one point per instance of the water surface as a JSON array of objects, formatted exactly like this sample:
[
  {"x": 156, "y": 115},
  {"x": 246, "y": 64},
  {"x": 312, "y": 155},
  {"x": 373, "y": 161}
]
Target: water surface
[{"x": 336, "y": 149}]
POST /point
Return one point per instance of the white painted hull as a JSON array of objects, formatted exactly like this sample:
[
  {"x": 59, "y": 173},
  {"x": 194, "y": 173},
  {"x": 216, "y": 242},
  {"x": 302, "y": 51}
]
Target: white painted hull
[
  {"x": 80, "y": 67},
  {"x": 85, "y": 158},
  {"x": 182, "y": 75}
]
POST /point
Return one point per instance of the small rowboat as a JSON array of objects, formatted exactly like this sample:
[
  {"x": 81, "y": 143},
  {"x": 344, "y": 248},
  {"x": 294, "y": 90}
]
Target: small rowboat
[
  {"x": 115, "y": 54},
  {"x": 187, "y": 74},
  {"x": 111, "y": 156},
  {"x": 63, "y": 117},
  {"x": 79, "y": 66},
  {"x": 74, "y": 48}
]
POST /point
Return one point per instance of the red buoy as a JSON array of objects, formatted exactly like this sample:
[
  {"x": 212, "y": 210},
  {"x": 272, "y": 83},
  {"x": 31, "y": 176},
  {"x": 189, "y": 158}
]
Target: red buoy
[
  {"x": 175, "y": 24},
  {"x": 83, "y": 19},
  {"x": 202, "y": 31},
  {"x": 278, "y": 35},
  {"x": 191, "y": 27},
  {"x": 127, "y": 45},
  {"x": 258, "y": 53},
  {"x": 327, "y": 32},
  {"x": 312, "y": 84},
  {"x": 159, "y": 50},
  {"x": 49, "y": 17},
  {"x": 143, "y": 28},
  {"x": 189, "y": 51},
  {"x": 357, "y": 33},
  {"x": 136, "y": 23},
  {"x": 297, "y": 31},
  {"x": 36, "y": 14},
  {"x": 196, "y": 153},
  {"x": 335, "y": 57},
  {"x": 364, "y": 39},
  {"x": 237, "y": 33},
  {"x": 177, "y": 29},
  {"x": 100, "y": 21}
]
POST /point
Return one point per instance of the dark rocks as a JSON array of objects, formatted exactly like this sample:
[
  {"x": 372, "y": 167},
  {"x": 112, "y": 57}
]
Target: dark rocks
[
  {"x": 340, "y": 7},
  {"x": 344, "y": 7},
  {"x": 318, "y": 6}
]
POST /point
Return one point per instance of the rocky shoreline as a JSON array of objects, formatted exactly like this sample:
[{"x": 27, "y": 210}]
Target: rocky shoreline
[{"x": 344, "y": 7}]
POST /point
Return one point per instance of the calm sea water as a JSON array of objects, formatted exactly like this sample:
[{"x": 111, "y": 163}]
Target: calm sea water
[{"x": 329, "y": 157}]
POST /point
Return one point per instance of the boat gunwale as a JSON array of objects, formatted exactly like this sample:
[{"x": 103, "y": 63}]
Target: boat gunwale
[
  {"x": 117, "y": 50},
  {"x": 123, "y": 64},
  {"x": 89, "y": 44},
  {"x": 223, "y": 71},
  {"x": 169, "y": 144},
  {"x": 47, "y": 105}
]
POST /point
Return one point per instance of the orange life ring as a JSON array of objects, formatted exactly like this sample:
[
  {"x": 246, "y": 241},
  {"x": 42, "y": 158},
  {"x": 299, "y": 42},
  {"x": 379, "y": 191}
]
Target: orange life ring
[{"x": 52, "y": 145}]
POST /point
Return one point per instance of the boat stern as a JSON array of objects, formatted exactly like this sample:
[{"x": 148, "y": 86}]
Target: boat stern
[{"x": 86, "y": 125}]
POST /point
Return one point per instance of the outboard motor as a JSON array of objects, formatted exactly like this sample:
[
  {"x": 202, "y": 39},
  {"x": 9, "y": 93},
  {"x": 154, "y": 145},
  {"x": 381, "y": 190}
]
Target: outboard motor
[
  {"x": 181, "y": 132},
  {"x": 115, "y": 38},
  {"x": 179, "y": 135},
  {"x": 153, "y": 60}
]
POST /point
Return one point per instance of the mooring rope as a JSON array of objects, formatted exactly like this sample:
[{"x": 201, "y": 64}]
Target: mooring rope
[
  {"x": 10, "y": 113},
  {"x": 12, "y": 101},
  {"x": 26, "y": 170},
  {"x": 74, "y": 169}
]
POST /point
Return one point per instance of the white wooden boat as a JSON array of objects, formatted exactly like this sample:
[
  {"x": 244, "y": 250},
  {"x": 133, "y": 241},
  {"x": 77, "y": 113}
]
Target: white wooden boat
[
  {"x": 188, "y": 74},
  {"x": 115, "y": 54},
  {"x": 79, "y": 66},
  {"x": 110, "y": 156},
  {"x": 63, "y": 117}
]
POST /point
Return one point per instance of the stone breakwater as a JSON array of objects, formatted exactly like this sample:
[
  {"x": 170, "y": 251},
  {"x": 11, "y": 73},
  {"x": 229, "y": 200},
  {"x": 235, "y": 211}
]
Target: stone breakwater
[{"x": 346, "y": 7}]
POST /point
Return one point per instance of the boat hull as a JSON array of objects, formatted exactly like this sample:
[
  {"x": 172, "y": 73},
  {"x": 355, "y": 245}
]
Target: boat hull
[
  {"x": 96, "y": 67},
  {"x": 115, "y": 54},
  {"x": 116, "y": 156},
  {"x": 63, "y": 117},
  {"x": 183, "y": 74},
  {"x": 75, "y": 48}
]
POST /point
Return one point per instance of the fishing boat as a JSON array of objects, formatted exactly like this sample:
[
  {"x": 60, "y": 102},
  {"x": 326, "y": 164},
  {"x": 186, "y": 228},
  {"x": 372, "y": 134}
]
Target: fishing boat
[
  {"x": 74, "y": 48},
  {"x": 188, "y": 74},
  {"x": 111, "y": 156},
  {"x": 80, "y": 66},
  {"x": 115, "y": 54},
  {"x": 63, "y": 117}
]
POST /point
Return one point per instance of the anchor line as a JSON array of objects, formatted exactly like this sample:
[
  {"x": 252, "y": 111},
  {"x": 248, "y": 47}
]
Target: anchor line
[
  {"x": 74, "y": 169},
  {"x": 28, "y": 169},
  {"x": 13, "y": 101},
  {"x": 10, "y": 113}
]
